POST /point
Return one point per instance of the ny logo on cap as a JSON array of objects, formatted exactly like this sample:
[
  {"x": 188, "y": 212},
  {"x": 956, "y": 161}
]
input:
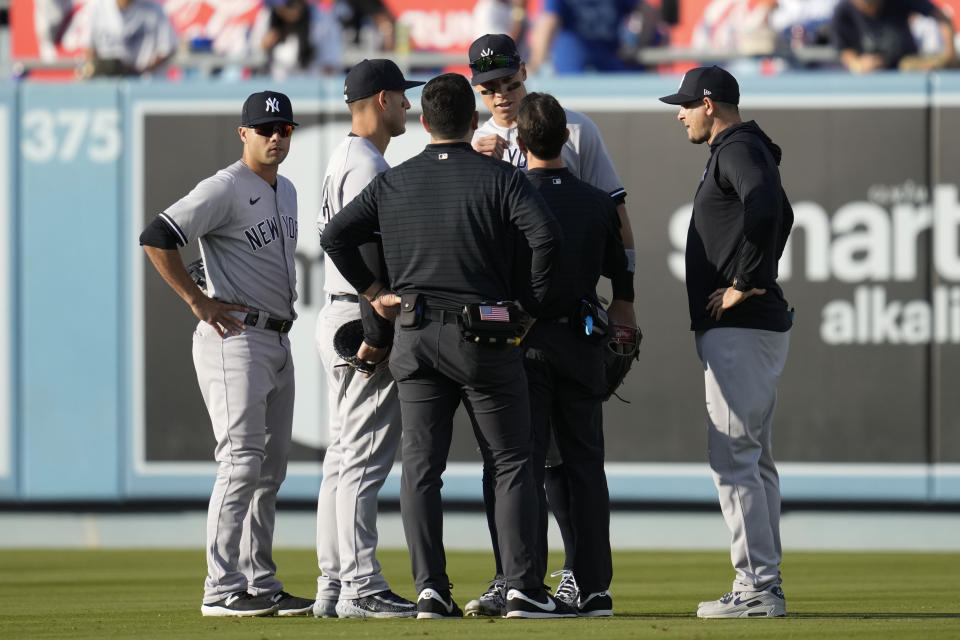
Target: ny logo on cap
[
  {"x": 273, "y": 105},
  {"x": 486, "y": 52}
]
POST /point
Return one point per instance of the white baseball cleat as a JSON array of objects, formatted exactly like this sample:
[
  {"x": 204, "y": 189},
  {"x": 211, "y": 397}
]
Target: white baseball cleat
[{"x": 769, "y": 603}]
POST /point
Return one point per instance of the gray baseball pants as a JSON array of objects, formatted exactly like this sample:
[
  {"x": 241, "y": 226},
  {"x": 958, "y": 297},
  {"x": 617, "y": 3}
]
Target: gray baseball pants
[
  {"x": 364, "y": 423},
  {"x": 248, "y": 386},
  {"x": 741, "y": 368}
]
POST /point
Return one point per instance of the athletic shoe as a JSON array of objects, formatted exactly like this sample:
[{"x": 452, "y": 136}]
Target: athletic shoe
[
  {"x": 769, "y": 603},
  {"x": 385, "y": 604},
  {"x": 288, "y": 605},
  {"x": 567, "y": 591},
  {"x": 434, "y": 604},
  {"x": 325, "y": 608},
  {"x": 241, "y": 604},
  {"x": 491, "y": 603},
  {"x": 596, "y": 605},
  {"x": 536, "y": 603}
]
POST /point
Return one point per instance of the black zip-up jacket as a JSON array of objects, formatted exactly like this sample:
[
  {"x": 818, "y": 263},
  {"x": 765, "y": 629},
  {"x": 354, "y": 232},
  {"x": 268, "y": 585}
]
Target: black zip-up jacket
[
  {"x": 741, "y": 220},
  {"x": 592, "y": 243},
  {"x": 451, "y": 222}
]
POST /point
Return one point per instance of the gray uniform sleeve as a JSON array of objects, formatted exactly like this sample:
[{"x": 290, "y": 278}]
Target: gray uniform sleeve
[
  {"x": 205, "y": 208},
  {"x": 596, "y": 168}
]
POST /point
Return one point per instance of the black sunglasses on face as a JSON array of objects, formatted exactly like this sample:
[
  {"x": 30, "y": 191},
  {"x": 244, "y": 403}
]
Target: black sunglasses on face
[
  {"x": 499, "y": 61},
  {"x": 513, "y": 86},
  {"x": 267, "y": 130}
]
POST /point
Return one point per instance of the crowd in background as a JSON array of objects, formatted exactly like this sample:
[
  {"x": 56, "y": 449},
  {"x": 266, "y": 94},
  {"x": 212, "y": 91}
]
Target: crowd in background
[{"x": 287, "y": 38}]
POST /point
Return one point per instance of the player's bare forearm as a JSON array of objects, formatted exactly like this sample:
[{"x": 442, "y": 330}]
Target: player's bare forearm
[
  {"x": 626, "y": 231},
  {"x": 169, "y": 264}
]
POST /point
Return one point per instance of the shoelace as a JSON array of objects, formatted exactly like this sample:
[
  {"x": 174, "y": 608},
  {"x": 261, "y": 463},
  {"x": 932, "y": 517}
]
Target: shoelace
[
  {"x": 567, "y": 590},
  {"x": 495, "y": 591}
]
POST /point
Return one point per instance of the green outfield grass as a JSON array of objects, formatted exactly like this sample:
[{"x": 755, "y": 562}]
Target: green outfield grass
[{"x": 156, "y": 594}]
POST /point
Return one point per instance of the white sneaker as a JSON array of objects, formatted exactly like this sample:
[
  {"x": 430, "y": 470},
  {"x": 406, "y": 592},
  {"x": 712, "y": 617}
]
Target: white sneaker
[
  {"x": 769, "y": 603},
  {"x": 325, "y": 608}
]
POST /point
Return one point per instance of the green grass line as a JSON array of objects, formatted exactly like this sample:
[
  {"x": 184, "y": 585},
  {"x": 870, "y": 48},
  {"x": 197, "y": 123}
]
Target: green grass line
[{"x": 156, "y": 594}]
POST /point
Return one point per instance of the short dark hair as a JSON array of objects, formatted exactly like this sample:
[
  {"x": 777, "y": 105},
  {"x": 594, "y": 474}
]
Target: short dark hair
[
  {"x": 448, "y": 105},
  {"x": 542, "y": 125}
]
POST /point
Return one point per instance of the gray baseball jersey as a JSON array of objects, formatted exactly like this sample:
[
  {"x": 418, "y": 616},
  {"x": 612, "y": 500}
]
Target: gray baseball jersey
[
  {"x": 584, "y": 153},
  {"x": 352, "y": 166},
  {"x": 248, "y": 235},
  {"x": 363, "y": 417}
]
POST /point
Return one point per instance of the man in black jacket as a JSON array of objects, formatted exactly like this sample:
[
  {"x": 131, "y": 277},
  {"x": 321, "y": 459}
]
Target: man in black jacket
[
  {"x": 740, "y": 223},
  {"x": 453, "y": 222},
  {"x": 564, "y": 347}
]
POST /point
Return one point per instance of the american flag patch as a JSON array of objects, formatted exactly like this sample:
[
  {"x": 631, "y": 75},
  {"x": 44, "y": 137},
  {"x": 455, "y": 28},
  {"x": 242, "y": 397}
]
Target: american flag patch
[{"x": 494, "y": 313}]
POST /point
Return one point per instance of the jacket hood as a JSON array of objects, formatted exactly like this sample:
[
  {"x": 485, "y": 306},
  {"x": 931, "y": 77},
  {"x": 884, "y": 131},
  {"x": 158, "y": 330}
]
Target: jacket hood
[{"x": 744, "y": 129}]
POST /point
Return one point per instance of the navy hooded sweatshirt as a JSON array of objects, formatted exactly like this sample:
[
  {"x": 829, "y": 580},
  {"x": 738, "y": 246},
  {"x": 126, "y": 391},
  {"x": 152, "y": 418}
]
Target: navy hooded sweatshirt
[{"x": 740, "y": 223}]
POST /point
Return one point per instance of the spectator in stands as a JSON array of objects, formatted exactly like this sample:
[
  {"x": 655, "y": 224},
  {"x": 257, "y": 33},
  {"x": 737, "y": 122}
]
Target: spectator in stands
[
  {"x": 580, "y": 36},
  {"x": 298, "y": 38},
  {"x": 501, "y": 16},
  {"x": 736, "y": 27},
  {"x": 872, "y": 35},
  {"x": 49, "y": 19},
  {"x": 370, "y": 17},
  {"x": 128, "y": 37}
]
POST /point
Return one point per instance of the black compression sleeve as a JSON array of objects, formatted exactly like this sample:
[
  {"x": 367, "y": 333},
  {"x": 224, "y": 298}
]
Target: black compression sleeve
[{"x": 159, "y": 234}]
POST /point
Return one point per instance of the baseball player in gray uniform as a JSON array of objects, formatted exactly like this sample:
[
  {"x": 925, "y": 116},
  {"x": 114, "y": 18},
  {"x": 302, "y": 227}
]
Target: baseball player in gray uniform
[
  {"x": 498, "y": 75},
  {"x": 245, "y": 219},
  {"x": 364, "y": 412}
]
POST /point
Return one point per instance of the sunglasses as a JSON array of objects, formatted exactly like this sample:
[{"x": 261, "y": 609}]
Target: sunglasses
[
  {"x": 267, "y": 130},
  {"x": 500, "y": 61},
  {"x": 513, "y": 86}
]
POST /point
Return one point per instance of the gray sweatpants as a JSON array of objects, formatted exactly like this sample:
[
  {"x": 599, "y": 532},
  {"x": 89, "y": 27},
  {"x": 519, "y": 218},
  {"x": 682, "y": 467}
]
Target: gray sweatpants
[
  {"x": 741, "y": 368},
  {"x": 248, "y": 386},
  {"x": 364, "y": 423}
]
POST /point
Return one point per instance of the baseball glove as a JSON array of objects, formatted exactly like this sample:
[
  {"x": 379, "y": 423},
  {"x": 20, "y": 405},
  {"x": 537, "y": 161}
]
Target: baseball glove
[
  {"x": 347, "y": 341},
  {"x": 621, "y": 352},
  {"x": 198, "y": 273}
]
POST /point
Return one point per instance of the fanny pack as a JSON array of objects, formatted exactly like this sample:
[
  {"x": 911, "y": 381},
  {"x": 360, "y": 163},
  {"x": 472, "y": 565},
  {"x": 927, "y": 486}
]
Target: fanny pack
[{"x": 493, "y": 322}]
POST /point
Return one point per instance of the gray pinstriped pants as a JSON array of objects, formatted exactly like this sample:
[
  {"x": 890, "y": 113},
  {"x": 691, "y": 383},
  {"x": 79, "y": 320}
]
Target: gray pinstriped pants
[
  {"x": 248, "y": 386},
  {"x": 741, "y": 368},
  {"x": 364, "y": 422}
]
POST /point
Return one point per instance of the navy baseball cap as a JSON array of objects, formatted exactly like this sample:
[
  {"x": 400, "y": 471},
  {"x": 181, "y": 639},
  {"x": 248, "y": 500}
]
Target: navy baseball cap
[
  {"x": 706, "y": 82},
  {"x": 369, "y": 77},
  {"x": 264, "y": 107},
  {"x": 493, "y": 56}
]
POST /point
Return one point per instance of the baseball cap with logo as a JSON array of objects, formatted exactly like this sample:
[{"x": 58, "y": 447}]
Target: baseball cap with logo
[
  {"x": 706, "y": 82},
  {"x": 493, "y": 56},
  {"x": 369, "y": 77},
  {"x": 264, "y": 107}
]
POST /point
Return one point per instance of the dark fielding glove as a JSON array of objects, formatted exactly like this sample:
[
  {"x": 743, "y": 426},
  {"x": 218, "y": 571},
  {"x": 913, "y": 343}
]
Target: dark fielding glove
[
  {"x": 198, "y": 273},
  {"x": 621, "y": 352},
  {"x": 346, "y": 342}
]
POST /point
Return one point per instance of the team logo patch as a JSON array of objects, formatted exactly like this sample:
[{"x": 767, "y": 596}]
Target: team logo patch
[{"x": 273, "y": 105}]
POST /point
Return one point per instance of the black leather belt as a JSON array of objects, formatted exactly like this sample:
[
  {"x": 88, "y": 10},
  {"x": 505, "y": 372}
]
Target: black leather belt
[
  {"x": 441, "y": 315},
  {"x": 344, "y": 297},
  {"x": 273, "y": 324}
]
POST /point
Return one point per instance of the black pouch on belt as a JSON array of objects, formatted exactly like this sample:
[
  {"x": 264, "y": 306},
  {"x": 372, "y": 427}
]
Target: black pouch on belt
[
  {"x": 492, "y": 322},
  {"x": 590, "y": 321},
  {"x": 411, "y": 310}
]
